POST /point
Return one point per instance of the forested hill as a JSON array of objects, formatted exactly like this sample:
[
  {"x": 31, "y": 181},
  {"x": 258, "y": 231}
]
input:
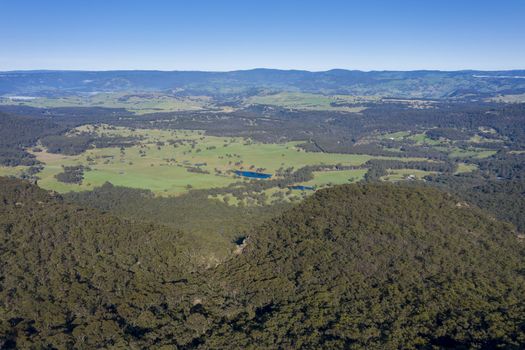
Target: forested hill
[
  {"x": 409, "y": 84},
  {"x": 356, "y": 266},
  {"x": 70, "y": 276},
  {"x": 374, "y": 267}
]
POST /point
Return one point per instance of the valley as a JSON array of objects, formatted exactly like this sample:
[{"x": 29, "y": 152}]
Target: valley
[
  {"x": 152, "y": 219},
  {"x": 174, "y": 162},
  {"x": 262, "y": 175}
]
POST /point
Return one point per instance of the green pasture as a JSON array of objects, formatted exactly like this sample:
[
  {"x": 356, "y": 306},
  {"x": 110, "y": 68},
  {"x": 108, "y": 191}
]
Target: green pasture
[
  {"x": 419, "y": 138},
  {"x": 308, "y": 101},
  {"x": 465, "y": 168},
  {"x": 136, "y": 103},
  {"x": 404, "y": 174},
  {"x": 423, "y": 139},
  {"x": 11, "y": 171},
  {"x": 477, "y": 153},
  {"x": 335, "y": 177},
  {"x": 157, "y": 164},
  {"x": 397, "y": 136},
  {"x": 446, "y": 146}
]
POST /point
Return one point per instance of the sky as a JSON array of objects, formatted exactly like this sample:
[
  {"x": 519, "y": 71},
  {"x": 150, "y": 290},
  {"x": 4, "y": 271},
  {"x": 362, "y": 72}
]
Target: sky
[{"x": 231, "y": 35}]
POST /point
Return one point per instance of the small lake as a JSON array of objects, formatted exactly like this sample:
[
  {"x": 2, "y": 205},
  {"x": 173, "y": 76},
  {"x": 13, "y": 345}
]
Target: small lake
[
  {"x": 253, "y": 174},
  {"x": 302, "y": 188}
]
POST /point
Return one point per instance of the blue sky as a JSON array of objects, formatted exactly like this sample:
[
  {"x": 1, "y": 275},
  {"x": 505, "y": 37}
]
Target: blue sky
[{"x": 228, "y": 35}]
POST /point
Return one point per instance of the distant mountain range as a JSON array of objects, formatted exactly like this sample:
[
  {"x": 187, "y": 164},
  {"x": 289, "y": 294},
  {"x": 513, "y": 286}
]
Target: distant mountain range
[{"x": 406, "y": 84}]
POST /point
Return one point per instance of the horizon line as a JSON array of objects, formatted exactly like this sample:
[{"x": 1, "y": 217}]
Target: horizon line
[{"x": 260, "y": 68}]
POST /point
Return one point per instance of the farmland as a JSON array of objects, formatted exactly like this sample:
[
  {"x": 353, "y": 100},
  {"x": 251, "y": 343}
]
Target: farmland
[
  {"x": 312, "y": 102},
  {"x": 136, "y": 103},
  {"x": 335, "y": 177},
  {"x": 172, "y": 162},
  {"x": 198, "y": 153}
]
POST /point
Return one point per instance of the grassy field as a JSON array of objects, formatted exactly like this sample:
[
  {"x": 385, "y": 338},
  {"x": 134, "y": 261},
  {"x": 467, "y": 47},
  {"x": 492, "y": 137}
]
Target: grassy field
[
  {"x": 165, "y": 162},
  {"x": 306, "y": 101},
  {"x": 142, "y": 103},
  {"x": 517, "y": 98},
  {"x": 423, "y": 139},
  {"x": 335, "y": 177},
  {"x": 321, "y": 179},
  {"x": 448, "y": 146},
  {"x": 477, "y": 153},
  {"x": 406, "y": 174},
  {"x": 136, "y": 103},
  {"x": 397, "y": 136},
  {"x": 11, "y": 171},
  {"x": 465, "y": 168},
  {"x": 480, "y": 139},
  {"x": 419, "y": 138},
  {"x": 173, "y": 162}
]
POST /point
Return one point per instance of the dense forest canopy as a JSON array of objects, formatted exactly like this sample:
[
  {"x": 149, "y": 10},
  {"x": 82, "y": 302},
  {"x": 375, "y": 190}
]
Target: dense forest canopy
[{"x": 354, "y": 266}]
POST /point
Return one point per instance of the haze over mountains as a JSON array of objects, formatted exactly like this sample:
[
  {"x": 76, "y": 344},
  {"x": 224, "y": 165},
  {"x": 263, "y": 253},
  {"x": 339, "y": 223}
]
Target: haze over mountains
[{"x": 405, "y": 84}]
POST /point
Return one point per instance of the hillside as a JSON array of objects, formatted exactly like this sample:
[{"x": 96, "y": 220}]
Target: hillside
[
  {"x": 65, "y": 271},
  {"x": 407, "y": 84},
  {"x": 375, "y": 267},
  {"x": 353, "y": 266}
]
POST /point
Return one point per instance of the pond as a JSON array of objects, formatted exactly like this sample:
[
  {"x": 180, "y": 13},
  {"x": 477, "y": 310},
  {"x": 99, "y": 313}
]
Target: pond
[
  {"x": 302, "y": 188},
  {"x": 252, "y": 174}
]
